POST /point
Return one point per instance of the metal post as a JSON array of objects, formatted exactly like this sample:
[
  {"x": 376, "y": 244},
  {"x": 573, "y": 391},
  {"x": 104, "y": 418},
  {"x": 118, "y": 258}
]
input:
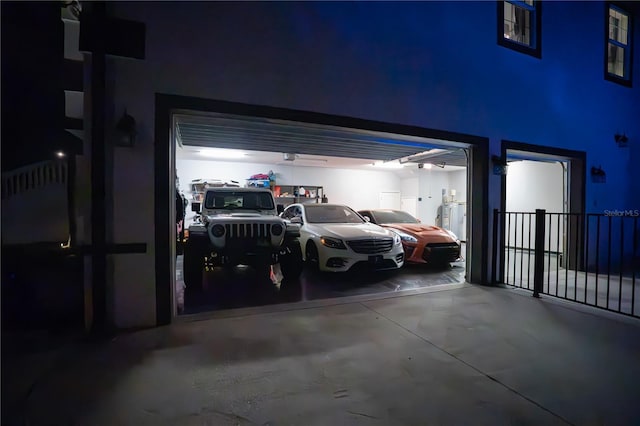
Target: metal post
[
  {"x": 494, "y": 251},
  {"x": 538, "y": 267},
  {"x": 98, "y": 165}
]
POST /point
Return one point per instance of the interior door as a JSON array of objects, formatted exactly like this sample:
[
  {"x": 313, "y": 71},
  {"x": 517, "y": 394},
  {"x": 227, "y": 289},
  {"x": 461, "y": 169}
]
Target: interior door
[
  {"x": 409, "y": 205},
  {"x": 390, "y": 200}
]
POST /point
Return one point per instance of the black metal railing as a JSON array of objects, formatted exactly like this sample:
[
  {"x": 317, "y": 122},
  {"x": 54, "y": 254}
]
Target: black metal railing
[{"x": 593, "y": 259}]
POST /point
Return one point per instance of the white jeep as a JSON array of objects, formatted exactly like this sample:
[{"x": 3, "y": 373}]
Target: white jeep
[{"x": 240, "y": 226}]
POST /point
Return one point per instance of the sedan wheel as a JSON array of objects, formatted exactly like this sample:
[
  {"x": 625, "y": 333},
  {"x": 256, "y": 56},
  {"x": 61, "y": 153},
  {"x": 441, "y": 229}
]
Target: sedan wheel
[{"x": 312, "y": 257}]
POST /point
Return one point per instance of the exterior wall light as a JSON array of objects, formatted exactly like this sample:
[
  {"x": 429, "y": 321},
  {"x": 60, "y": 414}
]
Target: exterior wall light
[
  {"x": 499, "y": 165},
  {"x": 621, "y": 140},
  {"x": 598, "y": 175},
  {"x": 126, "y": 131}
]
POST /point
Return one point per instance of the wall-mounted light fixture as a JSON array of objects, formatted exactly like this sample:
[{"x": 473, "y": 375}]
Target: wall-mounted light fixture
[
  {"x": 621, "y": 140},
  {"x": 598, "y": 175},
  {"x": 126, "y": 131},
  {"x": 499, "y": 165}
]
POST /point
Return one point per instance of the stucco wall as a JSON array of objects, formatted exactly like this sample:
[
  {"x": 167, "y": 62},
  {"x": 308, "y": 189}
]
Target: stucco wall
[{"x": 430, "y": 64}]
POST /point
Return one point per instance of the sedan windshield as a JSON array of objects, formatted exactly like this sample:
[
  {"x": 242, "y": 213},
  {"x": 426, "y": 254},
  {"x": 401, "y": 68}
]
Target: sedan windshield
[
  {"x": 238, "y": 200},
  {"x": 322, "y": 213},
  {"x": 393, "y": 216}
]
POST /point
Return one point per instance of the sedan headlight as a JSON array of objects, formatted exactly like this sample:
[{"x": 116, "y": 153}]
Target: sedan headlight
[
  {"x": 332, "y": 243},
  {"x": 404, "y": 237}
]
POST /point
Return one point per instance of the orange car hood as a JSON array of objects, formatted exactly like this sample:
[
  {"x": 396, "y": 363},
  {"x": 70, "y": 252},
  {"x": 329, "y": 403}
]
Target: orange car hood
[{"x": 423, "y": 232}]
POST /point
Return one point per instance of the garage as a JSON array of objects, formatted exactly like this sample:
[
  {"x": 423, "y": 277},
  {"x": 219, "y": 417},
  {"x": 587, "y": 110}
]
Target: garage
[{"x": 318, "y": 164}]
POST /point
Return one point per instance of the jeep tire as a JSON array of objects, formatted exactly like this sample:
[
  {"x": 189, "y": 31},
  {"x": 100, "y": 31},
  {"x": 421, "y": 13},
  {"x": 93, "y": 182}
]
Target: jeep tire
[
  {"x": 193, "y": 264},
  {"x": 291, "y": 263}
]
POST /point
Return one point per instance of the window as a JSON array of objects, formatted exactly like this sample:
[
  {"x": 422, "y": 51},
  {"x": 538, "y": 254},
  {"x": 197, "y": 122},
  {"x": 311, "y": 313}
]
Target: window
[
  {"x": 618, "y": 46},
  {"x": 238, "y": 200},
  {"x": 519, "y": 26}
]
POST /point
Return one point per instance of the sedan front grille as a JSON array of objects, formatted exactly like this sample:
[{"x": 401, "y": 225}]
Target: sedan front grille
[
  {"x": 371, "y": 245},
  {"x": 248, "y": 230}
]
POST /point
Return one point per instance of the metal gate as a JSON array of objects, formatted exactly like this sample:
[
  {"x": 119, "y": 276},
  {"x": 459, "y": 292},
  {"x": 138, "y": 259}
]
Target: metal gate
[{"x": 592, "y": 259}]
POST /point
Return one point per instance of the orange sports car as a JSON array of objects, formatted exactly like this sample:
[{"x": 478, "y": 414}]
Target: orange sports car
[{"x": 422, "y": 243}]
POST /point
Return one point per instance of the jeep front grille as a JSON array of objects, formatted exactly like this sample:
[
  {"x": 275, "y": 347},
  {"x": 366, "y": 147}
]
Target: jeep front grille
[
  {"x": 248, "y": 230},
  {"x": 371, "y": 245}
]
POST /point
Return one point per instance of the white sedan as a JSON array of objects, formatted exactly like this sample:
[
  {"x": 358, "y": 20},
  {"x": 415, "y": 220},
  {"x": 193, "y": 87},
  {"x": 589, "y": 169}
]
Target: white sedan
[{"x": 335, "y": 238}]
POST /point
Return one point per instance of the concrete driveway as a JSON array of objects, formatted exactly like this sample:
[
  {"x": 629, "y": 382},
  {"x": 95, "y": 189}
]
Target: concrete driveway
[{"x": 456, "y": 355}]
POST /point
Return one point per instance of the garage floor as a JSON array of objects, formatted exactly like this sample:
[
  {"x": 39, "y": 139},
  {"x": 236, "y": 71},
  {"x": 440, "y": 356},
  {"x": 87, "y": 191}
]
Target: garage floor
[
  {"x": 455, "y": 355},
  {"x": 241, "y": 288}
]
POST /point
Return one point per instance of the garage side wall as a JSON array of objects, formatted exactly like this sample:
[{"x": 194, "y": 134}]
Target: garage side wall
[{"x": 433, "y": 64}]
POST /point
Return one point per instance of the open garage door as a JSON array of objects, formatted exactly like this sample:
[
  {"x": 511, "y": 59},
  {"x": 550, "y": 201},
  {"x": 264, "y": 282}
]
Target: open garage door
[{"x": 313, "y": 164}]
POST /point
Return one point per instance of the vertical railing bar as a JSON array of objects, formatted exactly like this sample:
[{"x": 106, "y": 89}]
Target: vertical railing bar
[
  {"x": 578, "y": 232},
  {"x": 515, "y": 249},
  {"x": 549, "y": 254},
  {"x": 494, "y": 251},
  {"x": 508, "y": 247},
  {"x": 621, "y": 263},
  {"x": 597, "y": 254},
  {"x": 522, "y": 252},
  {"x": 501, "y": 247},
  {"x": 529, "y": 257},
  {"x": 586, "y": 256},
  {"x": 558, "y": 254},
  {"x": 633, "y": 268},
  {"x": 609, "y": 261},
  {"x": 538, "y": 269},
  {"x": 522, "y": 283},
  {"x": 565, "y": 254}
]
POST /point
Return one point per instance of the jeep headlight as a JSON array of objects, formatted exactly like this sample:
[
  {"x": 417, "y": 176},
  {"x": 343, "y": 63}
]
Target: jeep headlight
[
  {"x": 332, "y": 243},
  {"x": 217, "y": 230},
  {"x": 277, "y": 229},
  {"x": 404, "y": 237}
]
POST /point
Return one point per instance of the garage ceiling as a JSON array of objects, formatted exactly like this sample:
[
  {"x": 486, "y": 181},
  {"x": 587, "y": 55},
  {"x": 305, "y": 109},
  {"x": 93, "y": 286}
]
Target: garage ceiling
[{"x": 280, "y": 136}]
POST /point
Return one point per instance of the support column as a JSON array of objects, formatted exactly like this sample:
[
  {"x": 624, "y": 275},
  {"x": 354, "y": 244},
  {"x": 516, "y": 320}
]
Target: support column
[{"x": 97, "y": 19}]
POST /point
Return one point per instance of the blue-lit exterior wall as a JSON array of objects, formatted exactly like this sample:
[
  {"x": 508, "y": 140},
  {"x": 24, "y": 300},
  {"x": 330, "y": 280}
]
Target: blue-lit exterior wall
[{"x": 430, "y": 64}]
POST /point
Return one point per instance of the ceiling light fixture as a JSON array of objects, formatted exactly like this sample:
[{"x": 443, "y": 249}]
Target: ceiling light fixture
[
  {"x": 222, "y": 153},
  {"x": 388, "y": 164}
]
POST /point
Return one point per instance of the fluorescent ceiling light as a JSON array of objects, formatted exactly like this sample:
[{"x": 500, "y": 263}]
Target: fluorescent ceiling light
[
  {"x": 222, "y": 153},
  {"x": 388, "y": 164}
]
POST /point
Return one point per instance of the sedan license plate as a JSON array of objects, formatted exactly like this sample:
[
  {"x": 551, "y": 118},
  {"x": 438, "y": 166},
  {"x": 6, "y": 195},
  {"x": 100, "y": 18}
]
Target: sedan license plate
[{"x": 375, "y": 259}]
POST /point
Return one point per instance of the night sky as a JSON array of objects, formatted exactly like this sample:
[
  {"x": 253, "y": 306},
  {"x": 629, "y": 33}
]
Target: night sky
[{"x": 32, "y": 92}]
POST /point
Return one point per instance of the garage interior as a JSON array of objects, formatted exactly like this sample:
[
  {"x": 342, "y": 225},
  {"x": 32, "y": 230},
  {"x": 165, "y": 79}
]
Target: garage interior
[{"x": 362, "y": 169}]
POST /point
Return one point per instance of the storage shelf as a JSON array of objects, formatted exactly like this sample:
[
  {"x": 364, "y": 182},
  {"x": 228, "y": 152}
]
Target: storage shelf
[{"x": 292, "y": 198}]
